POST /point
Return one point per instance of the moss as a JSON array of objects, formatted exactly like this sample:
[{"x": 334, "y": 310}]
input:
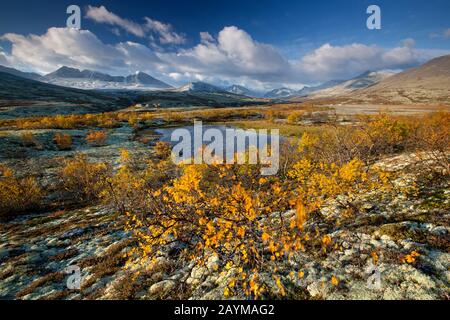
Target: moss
[
  {"x": 403, "y": 232},
  {"x": 437, "y": 199}
]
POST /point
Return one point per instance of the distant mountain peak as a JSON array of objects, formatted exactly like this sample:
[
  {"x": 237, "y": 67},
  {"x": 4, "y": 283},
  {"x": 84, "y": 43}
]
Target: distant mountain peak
[
  {"x": 240, "y": 90},
  {"x": 88, "y": 79},
  {"x": 283, "y": 92},
  {"x": 198, "y": 86}
]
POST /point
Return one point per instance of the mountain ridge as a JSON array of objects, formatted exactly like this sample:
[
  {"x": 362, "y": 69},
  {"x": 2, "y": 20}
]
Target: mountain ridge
[
  {"x": 88, "y": 79},
  {"x": 427, "y": 82}
]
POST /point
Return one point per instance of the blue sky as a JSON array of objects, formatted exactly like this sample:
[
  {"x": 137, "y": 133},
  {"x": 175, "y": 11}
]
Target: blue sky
[{"x": 257, "y": 43}]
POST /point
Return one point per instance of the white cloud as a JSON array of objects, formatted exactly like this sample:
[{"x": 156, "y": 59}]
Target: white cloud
[
  {"x": 77, "y": 48},
  {"x": 409, "y": 42},
  {"x": 234, "y": 54},
  {"x": 332, "y": 62},
  {"x": 165, "y": 32},
  {"x": 206, "y": 37},
  {"x": 102, "y": 15},
  {"x": 3, "y": 58}
]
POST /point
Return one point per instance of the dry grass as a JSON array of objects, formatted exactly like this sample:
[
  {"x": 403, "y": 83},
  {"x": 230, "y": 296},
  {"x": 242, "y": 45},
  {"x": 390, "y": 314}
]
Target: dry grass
[{"x": 51, "y": 277}]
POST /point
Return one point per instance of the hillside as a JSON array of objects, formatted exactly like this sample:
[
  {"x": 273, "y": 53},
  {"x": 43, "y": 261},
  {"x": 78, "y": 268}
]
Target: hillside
[
  {"x": 427, "y": 83},
  {"x": 15, "y": 72},
  {"x": 24, "y": 97},
  {"x": 364, "y": 80}
]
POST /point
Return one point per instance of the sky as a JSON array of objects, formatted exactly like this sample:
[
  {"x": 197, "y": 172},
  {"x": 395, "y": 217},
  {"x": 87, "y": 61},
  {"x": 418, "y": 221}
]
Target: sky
[{"x": 262, "y": 44}]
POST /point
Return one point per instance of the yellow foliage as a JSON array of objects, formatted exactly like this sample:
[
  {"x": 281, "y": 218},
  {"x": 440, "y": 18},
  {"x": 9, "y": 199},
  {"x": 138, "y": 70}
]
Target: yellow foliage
[
  {"x": 411, "y": 257},
  {"x": 97, "y": 138},
  {"x": 18, "y": 195},
  {"x": 83, "y": 179}
]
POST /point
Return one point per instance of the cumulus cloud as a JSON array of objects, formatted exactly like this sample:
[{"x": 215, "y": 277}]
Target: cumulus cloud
[
  {"x": 206, "y": 37},
  {"x": 102, "y": 15},
  {"x": 234, "y": 53},
  {"x": 76, "y": 48},
  {"x": 164, "y": 31},
  {"x": 331, "y": 62},
  {"x": 232, "y": 57}
]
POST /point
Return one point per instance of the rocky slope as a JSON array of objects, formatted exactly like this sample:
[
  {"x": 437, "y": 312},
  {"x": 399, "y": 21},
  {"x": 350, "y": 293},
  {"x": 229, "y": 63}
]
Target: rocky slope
[
  {"x": 364, "y": 80},
  {"x": 427, "y": 83}
]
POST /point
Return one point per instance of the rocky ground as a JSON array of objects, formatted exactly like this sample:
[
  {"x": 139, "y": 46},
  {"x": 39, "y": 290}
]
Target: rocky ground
[{"x": 397, "y": 248}]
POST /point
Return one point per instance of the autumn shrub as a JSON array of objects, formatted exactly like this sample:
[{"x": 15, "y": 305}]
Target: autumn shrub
[
  {"x": 18, "y": 195},
  {"x": 128, "y": 188},
  {"x": 433, "y": 139},
  {"x": 97, "y": 138},
  {"x": 63, "y": 141},
  {"x": 29, "y": 140},
  {"x": 82, "y": 179},
  {"x": 163, "y": 150},
  {"x": 295, "y": 117},
  {"x": 231, "y": 213}
]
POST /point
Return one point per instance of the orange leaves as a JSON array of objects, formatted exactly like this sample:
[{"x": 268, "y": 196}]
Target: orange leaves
[
  {"x": 240, "y": 232},
  {"x": 97, "y": 138},
  {"x": 82, "y": 178},
  {"x": 411, "y": 257},
  {"x": 18, "y": 194},
  {"x": 301, "y": 216},
  {"x": 319, "y": 181},
  {"x": 280, "y": 286},
  {"x": 63, "y": 141},
  {"x": 326, "y": 240},
  {"x": 226, "y": 292},
  {"x": 265, "y": 237},
  {"x": 334, "y": 281},
  {"x": 375, "y": 257}
]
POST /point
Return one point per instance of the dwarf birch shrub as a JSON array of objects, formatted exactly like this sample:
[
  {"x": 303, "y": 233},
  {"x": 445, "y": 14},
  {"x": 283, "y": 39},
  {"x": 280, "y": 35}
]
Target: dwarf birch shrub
[
  {"x": 82, "y": 179},
  {"x": 233, "y": 214},
  {"x": 18, "y": 195}
]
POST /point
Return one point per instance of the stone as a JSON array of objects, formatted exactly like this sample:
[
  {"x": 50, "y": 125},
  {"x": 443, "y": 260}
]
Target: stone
[{"x": 162, "y": 287}]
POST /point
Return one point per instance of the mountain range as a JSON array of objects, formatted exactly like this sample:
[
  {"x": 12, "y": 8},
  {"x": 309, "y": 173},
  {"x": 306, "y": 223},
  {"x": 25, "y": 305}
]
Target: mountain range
[
  {"x": 427, "y": 83},
  {"x": 87, "y": 79},
  {"x": 93, "y": 80}
]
